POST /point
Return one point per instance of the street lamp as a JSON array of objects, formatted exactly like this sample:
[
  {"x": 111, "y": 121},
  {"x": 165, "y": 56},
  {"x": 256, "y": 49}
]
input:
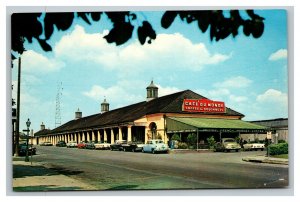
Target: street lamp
[{"x": 28, "y": 125}]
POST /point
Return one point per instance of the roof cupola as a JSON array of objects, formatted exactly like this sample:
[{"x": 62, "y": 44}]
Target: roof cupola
[
  {"x": 152, "y": 91},
  {"x": 104, "y": 106},
  {"x": 78, "y": 114}
]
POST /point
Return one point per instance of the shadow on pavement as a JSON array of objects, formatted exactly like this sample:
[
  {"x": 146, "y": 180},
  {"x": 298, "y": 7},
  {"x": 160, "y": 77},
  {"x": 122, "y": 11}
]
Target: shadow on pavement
[
  {"x": 21, "y": 171},
  {"x": 123, "y": 187},
  {"x": 44, "y": 188}
]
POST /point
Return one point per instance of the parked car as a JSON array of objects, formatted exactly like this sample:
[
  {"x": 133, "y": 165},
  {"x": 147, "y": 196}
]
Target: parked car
[
  {"x": 46, "y": 144},
  {"x": 102, "y": 145},
  {"x": 23, "y": 149},
  {"x": 72, "y": 144},
  {"x": 90, "y": 145},
  {"x": 133, "y": 146},
  {"x": 155, "y": 146},
  {"x": 227, "y": 144},
  {"x": 61, "y": 143},
  {"x": 118, "y": 145},
  {"x": 81, "y": 145},
  {"x": 254, "y": 146}
]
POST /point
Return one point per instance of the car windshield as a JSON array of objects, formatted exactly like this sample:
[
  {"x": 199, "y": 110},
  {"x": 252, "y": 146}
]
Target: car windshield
[{"x": 159, "y": 141}]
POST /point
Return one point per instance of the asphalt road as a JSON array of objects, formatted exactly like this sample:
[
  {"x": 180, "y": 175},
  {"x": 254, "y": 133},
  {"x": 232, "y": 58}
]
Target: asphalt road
[{"x": 116, "y": 170}]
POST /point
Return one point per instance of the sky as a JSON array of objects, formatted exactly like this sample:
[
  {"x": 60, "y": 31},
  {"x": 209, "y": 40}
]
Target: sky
[{"x": 249, "y": 75}]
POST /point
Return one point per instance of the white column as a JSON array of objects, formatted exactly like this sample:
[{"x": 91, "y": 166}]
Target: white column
[
  {"x": 129, "y": 135},
  {"x": 105, "y": 136},
  {"x": 120, "y": 133},
  {"x": 112, "y": 139},
  {"x": 146, "y": 134},
  {"x": 98, "y": 135},
  {"x": 93, "y": 136},
  {"x": 88, "y": 136}
]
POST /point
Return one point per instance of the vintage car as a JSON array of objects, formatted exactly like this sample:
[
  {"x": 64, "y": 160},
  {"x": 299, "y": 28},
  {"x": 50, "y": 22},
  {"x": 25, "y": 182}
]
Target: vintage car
[
  {"x": 72, "y": 144},
  {"x": 118, "y": 145},
  {"x": 155, "y": 146},
  {"x": 61, "y": 143},
  {"x": 46, "y": 144},
  {"x": 90, "y": 145},
  {"x": 102, "y": 145},
  {"x": 133, "y": 146},
  {"x": 254, "y": 146},
  {"x": 23, "y": 149},
  {"x": 81, "y": 145},
  {"x": 227, "y": 144}
]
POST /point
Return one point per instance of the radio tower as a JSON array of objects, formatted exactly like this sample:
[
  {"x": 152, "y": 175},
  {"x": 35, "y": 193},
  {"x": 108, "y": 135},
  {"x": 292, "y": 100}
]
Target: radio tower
[{"x": 57, "y": 110}]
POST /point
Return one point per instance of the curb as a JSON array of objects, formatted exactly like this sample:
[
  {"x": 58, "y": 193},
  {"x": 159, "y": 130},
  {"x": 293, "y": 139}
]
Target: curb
[{"x": 266, "y": 160}]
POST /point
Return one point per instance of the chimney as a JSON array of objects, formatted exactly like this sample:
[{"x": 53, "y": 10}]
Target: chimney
[
  {"x": 42, "y": 126},
  {"x": 78, "y": 114}
]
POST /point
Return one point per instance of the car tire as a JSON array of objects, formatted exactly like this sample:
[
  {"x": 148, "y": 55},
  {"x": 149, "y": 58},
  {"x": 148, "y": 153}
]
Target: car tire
[
  {"x": 262, "y": 149},
  {"x": 153, "y": 151}
]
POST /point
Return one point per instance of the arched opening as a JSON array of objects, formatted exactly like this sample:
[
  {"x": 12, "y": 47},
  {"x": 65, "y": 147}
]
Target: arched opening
[{"x": 153, "y": 129}]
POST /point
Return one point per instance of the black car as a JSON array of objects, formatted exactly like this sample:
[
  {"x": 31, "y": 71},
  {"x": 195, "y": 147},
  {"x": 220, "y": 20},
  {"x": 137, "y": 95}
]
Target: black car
[
  {"x": 23, "y": 148},
  {"x": 61, "y": 144},
  {"x": 118, "y": 145},
  {"x": 133, "y": 146}
]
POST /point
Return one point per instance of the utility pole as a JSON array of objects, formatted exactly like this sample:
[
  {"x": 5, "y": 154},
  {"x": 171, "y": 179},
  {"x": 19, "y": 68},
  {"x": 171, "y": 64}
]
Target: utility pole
[
  {"x": 17, "y": 135},
  {"x": 57, "y": 109}
]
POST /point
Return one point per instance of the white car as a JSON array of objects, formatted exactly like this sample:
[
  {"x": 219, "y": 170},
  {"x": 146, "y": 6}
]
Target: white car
[
  {"x": 71, "y": 144},
  {"x": 155, "y": 146},
  {"x": 254, "y": 146},
  {"x": 103, "y": 145}
]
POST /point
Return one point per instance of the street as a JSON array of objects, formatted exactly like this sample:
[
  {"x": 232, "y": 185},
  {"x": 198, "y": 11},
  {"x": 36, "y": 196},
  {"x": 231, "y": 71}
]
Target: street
[{"x": 116, "y": 170}]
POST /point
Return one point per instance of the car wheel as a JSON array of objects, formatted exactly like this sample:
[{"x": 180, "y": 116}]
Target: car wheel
[
  {"x": 237, "y": 150},
  {"x": 262, "y": 149},
  {"x": 153, "y": 151}
]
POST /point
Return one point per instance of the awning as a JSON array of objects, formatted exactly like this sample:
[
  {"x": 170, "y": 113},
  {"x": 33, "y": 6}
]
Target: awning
[{"x": 175, "y": 124}]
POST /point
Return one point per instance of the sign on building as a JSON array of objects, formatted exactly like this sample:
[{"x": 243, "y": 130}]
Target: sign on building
[
  {"x": 269, "y": 135},
  {"x": 203, "y": 105}
]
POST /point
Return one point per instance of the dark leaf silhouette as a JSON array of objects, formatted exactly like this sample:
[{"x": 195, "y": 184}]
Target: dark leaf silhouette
[
  {"x": 168, "y": 18},
  {"x": 27, "y": 26},
  {"x": 96, "y": 16},
  {"x": 120, "y": 34},
  {"x": 145, "y": 31},
  {"x": 83, "y": 16}
]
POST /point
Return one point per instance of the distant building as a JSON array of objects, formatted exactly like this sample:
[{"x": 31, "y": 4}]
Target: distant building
[{"x": 278, "y": 127}]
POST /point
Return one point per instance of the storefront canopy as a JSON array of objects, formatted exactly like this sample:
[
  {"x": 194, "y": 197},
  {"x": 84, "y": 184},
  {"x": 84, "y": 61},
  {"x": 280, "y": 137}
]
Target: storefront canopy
[{"x": 212, "y": 125}]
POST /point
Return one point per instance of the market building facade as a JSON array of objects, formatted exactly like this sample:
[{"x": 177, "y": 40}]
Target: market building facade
[{"x": 180, "y": 113}]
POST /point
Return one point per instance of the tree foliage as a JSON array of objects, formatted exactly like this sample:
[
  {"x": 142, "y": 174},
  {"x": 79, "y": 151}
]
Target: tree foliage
[{"x": 29, "y": 26}]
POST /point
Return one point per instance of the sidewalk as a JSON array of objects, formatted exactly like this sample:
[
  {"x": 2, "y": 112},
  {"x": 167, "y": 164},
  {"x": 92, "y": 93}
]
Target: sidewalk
[
  {"x": 265, "y": 159},
  {"x": 36, "y": 177}
]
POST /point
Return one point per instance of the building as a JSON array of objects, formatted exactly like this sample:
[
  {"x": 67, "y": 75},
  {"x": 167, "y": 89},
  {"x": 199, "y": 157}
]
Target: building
[
  {"x": 180, "y": 113},
  {"x": 278, "y": 127}
]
